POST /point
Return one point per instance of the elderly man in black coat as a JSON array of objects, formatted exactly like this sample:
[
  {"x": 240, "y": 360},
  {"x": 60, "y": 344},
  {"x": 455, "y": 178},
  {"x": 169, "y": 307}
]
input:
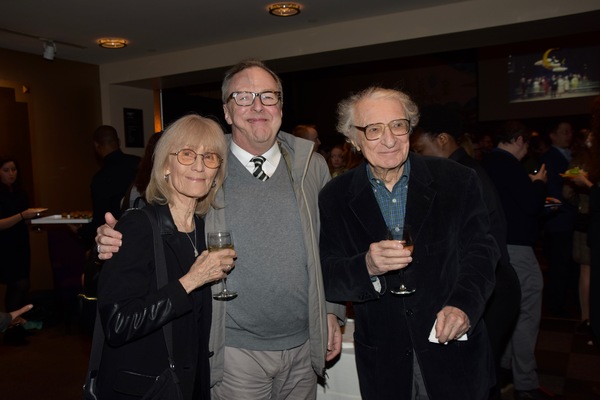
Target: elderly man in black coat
[{"x": 430, "y": 344}]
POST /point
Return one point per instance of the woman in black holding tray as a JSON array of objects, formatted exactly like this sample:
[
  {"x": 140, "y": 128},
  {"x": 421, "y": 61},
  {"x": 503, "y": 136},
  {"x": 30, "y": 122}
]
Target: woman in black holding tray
[{"x": 189, "y": 167}]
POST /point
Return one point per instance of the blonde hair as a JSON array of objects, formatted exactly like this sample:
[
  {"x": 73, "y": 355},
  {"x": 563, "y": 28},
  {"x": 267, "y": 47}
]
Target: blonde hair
[{"x": 188, "y": 131}]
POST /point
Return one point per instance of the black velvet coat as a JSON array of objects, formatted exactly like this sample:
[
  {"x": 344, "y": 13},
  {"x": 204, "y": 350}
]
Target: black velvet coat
[
  {"x": 133, "y": 311},
  {"x": 453, "y": 264}
]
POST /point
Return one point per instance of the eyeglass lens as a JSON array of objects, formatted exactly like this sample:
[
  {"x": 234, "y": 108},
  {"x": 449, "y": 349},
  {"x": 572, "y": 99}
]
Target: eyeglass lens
[
  {"x": 188, "y": 157},
  {"x": 398, "y": 127},
  {"x": 267, "y": 98}
]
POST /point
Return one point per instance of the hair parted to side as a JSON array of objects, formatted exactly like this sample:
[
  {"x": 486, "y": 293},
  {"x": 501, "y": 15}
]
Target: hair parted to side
[
  {"x": 510, "y": 131},
  {"x": 244, "y": 65},
  {"x": 347, "y": 107},
  {"x": 188, "y": 131}
]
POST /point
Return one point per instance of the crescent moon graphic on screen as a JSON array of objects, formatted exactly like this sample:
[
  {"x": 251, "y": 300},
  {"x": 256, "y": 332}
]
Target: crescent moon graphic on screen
[{"x": 545, "y": 62}]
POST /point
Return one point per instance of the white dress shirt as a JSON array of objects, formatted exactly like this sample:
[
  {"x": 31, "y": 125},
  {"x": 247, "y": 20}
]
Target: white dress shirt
[{"x": 272, "y": 158}]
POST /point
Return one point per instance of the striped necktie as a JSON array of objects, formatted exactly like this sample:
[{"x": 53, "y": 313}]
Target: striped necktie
[{"x": 258, "y": 171}]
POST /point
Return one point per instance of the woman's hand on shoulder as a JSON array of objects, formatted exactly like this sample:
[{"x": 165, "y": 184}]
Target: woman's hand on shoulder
[{"x": 208, "y": 267}]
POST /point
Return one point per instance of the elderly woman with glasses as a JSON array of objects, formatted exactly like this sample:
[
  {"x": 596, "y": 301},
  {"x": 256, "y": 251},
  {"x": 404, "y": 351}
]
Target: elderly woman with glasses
[
  {"x": 189, "y": 167},
  {"x": 423, "y": 340}
]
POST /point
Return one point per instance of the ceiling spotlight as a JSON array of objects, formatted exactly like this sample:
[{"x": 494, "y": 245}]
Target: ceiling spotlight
[
  {"x": 284, "y": 9},
  {"x": 49, "y": 50},
  {"x": 112, "y": 43}
]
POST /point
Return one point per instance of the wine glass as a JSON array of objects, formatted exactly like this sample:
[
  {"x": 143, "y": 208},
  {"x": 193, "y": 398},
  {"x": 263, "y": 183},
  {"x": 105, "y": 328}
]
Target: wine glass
[
  {"x": 217, "y": 241},
  {"x": 404, "y": 235}
]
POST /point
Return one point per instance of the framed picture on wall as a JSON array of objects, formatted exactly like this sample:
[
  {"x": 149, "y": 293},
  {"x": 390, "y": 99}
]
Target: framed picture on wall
[{"x": 133, "y": 120}]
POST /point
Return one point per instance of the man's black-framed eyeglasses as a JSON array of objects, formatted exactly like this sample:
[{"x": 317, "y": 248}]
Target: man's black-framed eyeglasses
[
  {"x": 189, "y": 156},
  {"x": 398, "y": 127},
  {"x": 245, "y": 99}
]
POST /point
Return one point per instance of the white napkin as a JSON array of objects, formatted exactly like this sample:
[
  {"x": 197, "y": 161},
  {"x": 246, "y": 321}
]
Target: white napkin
[{"x": 433, "y": 339}]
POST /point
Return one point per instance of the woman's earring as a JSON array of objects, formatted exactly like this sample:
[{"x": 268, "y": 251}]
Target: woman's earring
[
  {"x": 213, "y": 184},
  {"x": 167, "y": 177}
]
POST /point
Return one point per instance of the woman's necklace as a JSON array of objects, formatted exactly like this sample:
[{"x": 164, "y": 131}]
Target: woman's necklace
[{"x": 194, "y": 242}]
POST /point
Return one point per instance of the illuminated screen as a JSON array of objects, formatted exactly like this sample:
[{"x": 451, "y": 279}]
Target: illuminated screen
[{"x": 554, "y": 73}]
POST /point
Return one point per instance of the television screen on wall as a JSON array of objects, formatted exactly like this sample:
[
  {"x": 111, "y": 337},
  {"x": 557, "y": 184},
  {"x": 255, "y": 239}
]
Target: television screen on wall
[{"x": 554, "y": 73}]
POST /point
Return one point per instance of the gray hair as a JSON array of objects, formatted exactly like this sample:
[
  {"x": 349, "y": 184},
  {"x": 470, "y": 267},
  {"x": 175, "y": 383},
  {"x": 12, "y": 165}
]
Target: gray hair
[
  {"x": 347, "y": 107},
  {"x": 244, "y": 65}
]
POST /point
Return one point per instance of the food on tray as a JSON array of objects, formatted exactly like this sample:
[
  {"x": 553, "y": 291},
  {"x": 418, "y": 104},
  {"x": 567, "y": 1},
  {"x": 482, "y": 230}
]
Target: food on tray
[
  {"x": 570, "y": 173},
  {"x": 77, "y": 215}
]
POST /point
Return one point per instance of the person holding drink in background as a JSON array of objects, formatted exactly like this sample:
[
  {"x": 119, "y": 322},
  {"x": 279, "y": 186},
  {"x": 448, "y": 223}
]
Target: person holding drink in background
[
  {"x": 189, "y": 167},
  {"x": 428, "y": 342}
]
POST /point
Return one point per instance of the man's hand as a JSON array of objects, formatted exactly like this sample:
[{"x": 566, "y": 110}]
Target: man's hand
[
  {"x": 387, "y": 255},
  {"x": 541, "y": 175},
  {"x": 451, "y": 324},
  {"x": 334, "y": 337},
  {"x": 108, "y": 240}
]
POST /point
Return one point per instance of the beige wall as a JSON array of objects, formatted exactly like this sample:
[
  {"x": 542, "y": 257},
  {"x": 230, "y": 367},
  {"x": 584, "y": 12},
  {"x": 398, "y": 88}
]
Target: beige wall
[{"x": 64, "y": 107}]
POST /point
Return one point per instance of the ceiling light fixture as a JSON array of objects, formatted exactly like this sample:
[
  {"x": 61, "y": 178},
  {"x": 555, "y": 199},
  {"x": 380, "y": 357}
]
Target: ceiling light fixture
[
  {"x": 112, "y": 43},
  {"x": 49, "y": 50},
  {"x": 284, "y": 9}
]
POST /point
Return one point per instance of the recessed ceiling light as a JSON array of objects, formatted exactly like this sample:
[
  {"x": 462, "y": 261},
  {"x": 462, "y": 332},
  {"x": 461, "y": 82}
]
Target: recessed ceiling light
[
  {"x": 284, "y": 9},
  {"x": 112, "y": 43}
]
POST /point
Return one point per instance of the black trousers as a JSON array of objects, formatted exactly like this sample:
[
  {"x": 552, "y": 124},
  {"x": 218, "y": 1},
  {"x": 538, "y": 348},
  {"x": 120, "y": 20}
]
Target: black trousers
[{"x": 558, "y": 251}]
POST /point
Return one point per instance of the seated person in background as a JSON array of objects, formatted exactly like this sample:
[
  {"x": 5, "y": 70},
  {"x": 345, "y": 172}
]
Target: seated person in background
[{"x": 13, "y": 318}]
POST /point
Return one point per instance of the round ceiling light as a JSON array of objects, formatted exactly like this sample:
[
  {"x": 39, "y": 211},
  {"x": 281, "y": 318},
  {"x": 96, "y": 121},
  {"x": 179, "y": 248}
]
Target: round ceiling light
[
  {"x": 112, "y": 43},
  {"x": 284, "y": 9}
]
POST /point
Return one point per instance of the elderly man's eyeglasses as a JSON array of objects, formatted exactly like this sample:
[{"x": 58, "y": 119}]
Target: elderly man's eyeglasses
[
  {"x": 188, "y": 157},
  {"x": 245, "y": 99},
  {"x": 398, "y": 127}
]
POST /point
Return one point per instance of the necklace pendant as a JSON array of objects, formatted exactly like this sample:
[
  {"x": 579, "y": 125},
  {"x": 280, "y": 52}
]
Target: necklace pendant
[{"x": 195, "y": 253}]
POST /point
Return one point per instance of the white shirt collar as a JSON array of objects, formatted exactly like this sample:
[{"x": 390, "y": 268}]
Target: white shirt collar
[{"x": 272, "y": 156}]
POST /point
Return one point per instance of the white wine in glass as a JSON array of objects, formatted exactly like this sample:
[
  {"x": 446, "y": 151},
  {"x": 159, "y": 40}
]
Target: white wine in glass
[
  {"x": 219, "y": 241},
  {"x": 404, "y": 236}
]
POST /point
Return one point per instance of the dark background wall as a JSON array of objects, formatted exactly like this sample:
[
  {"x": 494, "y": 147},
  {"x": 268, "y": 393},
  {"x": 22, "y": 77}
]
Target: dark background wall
[{"x": 473, "y": 81}]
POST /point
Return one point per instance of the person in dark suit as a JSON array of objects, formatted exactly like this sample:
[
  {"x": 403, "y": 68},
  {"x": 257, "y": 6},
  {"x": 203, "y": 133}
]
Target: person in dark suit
[
  {"x": 189, "y": 168},
  {"x": 111, "y": 182},
  {"x": 438, "y": 134},
  {"x": 430, "y": 344},
  {"x": 522, "y": 196}
]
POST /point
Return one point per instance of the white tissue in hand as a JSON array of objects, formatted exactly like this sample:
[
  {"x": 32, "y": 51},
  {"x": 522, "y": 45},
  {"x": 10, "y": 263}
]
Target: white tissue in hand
[{"x": 433, "y": 339}]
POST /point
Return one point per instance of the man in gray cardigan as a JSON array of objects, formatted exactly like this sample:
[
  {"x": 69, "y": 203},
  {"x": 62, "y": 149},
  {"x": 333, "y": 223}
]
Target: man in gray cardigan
[{"x": 273, "y": 340}]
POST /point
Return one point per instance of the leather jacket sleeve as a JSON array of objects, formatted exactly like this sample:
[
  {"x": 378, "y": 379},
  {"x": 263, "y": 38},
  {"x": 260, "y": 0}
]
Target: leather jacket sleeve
[{"x": 129, "y": 302}]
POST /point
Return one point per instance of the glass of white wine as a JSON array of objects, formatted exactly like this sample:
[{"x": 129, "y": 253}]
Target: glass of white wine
[
  {"x": 218, "y": 241},
  {"x": 404, "y": 235}
]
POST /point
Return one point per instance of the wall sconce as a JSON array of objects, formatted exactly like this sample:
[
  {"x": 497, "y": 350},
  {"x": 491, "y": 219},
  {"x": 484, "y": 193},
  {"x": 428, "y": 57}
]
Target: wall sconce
[
  {"x": 284, "y": 9},
  {"x": 112, "y": 43},
  {"x": 49, "y": 50}
]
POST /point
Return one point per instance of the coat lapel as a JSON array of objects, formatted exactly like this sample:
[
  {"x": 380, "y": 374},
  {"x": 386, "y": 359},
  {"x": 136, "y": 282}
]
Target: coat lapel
[
  {"x": 363, "y": 204},
  {"x": 420, "y": 195}
]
